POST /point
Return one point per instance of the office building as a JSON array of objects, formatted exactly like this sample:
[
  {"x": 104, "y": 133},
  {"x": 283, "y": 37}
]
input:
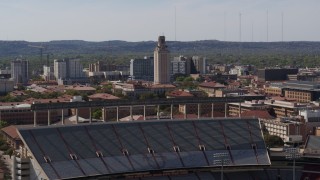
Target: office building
[
  {"x": 69, "y": 71},
  {"x": 161, "y": 62},
  {"x": 60, "y": 69},
  {"x": 198, "y": 65},
  {"x": 278, "y": 74},
  {"x": 5, "y": 73},
  {"x": 6, "y": 85},
  {"x": 142, "y": 69},
  {"x": 74, "y": 68},
  {"x": 20, "y": 71},
  {"x": 180, "y": 65},
  {"x": 48, "y": 73}
]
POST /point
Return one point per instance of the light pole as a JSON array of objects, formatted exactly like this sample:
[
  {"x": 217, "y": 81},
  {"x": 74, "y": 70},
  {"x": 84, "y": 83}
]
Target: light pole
[
  {"x": 221, "y": 159},
  {"x": 293, "y": 154}
]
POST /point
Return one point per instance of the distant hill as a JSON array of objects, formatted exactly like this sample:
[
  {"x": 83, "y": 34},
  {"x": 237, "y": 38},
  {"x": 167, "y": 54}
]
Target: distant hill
[
  {"x": 261, "y": 54},
  {"x": 75, "y": 47}
]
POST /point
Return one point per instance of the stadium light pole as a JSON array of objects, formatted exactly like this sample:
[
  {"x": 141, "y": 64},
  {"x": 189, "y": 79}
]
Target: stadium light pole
[
  {"x": 293, "y": 154},
  {"x": 221, "y": 159}
]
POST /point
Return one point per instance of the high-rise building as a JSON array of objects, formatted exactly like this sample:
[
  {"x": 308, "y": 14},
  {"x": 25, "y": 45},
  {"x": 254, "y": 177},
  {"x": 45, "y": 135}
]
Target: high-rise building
[
  {"x": 20, "y": 71},
  {"x": 69, "y": 71},
  {"x": 161, "y": 62},
  {"x": 198, "y": 65},
  {"x": 74, "y": 68},
  {"x": 180, "y": 65},
  {"x": 60, "y": 69},
  {"x": 142, "y": 69},
  {"x": 48, "y": 73},
  {"x": 275, "y": 74}
]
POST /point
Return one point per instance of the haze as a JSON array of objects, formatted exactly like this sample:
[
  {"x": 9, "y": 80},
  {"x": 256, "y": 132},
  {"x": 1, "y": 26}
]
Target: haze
[{"x": 143, "y": 20}]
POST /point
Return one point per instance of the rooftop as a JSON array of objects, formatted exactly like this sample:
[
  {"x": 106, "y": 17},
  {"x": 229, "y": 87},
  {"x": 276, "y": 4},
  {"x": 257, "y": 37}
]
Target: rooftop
[
  {"x": 104, "y": 96},
  {"x": 263, "y": 114},
  {"x": 179, "y": 93},
  {"x": 76, "y": 151},
  {"x": 212, "y": 84}
]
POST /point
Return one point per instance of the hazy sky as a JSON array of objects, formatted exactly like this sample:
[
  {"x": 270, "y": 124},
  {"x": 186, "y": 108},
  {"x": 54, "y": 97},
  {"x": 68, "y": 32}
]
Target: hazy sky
[{"x": 143, "y": 20}]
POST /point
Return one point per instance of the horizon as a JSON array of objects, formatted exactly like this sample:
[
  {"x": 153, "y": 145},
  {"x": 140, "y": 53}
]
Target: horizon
[
  {"x": 315, "y": 41},
  {"x": 142, "y": 20}
]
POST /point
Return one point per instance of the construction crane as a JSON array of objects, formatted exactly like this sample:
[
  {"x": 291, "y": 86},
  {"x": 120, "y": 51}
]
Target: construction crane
[{"x": 41, "y": 47}]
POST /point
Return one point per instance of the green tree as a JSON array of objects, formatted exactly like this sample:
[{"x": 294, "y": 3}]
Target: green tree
[
  {"x": 180, "y": 78},
  {"x": 72, "y": 92},
  {"x": 273, "y": 141},
  {"x": 97, "y": 114},
  {"x": 3, "y": 124}
]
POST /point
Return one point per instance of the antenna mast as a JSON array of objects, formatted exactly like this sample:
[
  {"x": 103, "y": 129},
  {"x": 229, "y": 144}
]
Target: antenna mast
[
  {"x": 224, "y": 25},
  {"x": 175, "y": 24},
  {"x": 240, "y": 26},
  {"x": 267, "y": 26},
  {"x": 252, "y": 31},
  {"x": 282, "y": 26}
]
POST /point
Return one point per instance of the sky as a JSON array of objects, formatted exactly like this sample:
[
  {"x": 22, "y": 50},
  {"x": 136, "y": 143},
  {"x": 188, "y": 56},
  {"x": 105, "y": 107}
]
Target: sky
[{"x": 144, "y": 20}]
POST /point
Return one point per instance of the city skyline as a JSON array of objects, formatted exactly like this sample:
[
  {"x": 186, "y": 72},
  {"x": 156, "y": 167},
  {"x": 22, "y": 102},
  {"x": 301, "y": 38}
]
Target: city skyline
[{"x": 142, "y": 20}]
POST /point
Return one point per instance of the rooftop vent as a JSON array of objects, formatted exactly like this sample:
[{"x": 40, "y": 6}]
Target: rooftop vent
[{"x": 176, "y": 148}]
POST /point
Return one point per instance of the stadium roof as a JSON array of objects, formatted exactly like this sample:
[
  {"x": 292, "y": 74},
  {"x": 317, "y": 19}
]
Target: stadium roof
[
  {"x": 312, "y": 146},
  {"x": 103, "y": 149}
]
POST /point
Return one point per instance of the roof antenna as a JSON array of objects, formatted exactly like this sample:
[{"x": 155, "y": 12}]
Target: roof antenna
[
  {"x": 282, "y": 26},
  {"x": 267, "y": 25},
  {"x": 175, "y": 24}
]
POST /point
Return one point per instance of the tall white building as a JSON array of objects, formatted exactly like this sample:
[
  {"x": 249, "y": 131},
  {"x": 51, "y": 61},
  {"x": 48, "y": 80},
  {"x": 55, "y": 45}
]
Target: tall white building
[
  {"x": 69, "y": 71},
  {"x": 48, "y": 73},
  {"x": 161, "y": 62},
  {"x": 60, "y": 69},
  {"x": 20, "y": 71}
]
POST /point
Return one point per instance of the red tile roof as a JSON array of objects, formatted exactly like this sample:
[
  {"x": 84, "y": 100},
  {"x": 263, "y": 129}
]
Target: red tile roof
[
  {"x": 79, "y": 88},
  {"x": 263, "y": 114},
  {"x": 178, "y": 93},
  {"x": 64, "y": 98},
  {"x": 278, "y": 98},
  {"x": 162, "y": 86},
  {"x": 212, "y": 84},
  {"x": 104, "y": 96},
  {"x": 11, "y": 131}
]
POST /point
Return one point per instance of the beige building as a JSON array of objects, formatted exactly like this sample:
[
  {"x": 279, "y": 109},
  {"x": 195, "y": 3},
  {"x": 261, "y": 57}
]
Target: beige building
[
  {"x": 161, "y": 62},
  {"x": 273, "y": 91}
]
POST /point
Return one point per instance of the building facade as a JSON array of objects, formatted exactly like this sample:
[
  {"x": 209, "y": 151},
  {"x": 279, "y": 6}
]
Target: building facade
[
  {"x": 69, "y": 71},
  {"x": 20, "y": 71},
  {"x": 198, "y": 65},
  {"x": 48, "y": 73},
  {"x": 6, "y": 85},
  {"x": 277, "y": 74},
  {"x": 161, "y": 62},
  {"x": 180, "y": 65},
  {"x": 60, "y": 69},
  {"x": 142, "y": 69},
  {"x": 74, "y": 69}
]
